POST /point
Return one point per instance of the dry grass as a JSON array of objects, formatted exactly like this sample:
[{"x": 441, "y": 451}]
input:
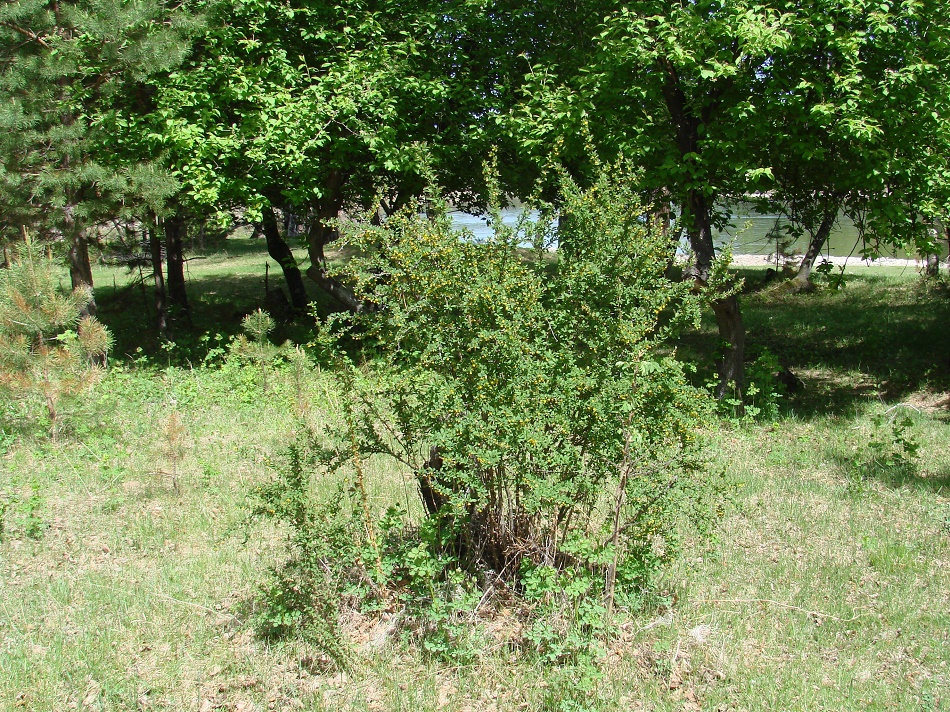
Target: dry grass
[{"x": 827, "y": 587}]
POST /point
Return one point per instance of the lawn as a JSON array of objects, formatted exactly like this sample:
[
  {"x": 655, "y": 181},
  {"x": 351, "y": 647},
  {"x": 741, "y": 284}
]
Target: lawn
[{"x": 129, "y": 565}]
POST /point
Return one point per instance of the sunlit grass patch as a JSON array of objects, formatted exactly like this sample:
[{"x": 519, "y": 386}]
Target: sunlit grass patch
[{"x": 827, "y": 586}]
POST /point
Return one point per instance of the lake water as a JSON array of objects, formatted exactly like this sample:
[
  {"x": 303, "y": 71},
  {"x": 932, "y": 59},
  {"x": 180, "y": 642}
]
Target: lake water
[{"x": 750, "y": 233}]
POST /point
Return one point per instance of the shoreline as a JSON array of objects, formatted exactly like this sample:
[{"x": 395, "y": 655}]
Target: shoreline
[{"x": 769, "y": 261}]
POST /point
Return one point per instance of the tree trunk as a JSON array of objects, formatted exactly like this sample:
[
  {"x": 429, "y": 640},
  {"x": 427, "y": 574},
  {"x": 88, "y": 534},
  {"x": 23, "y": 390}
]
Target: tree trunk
[
  {"x": 175, "y": 264},
  {"x": 80, "y": 271},
  {"x": 688, "y": 122},
  {"x": 280, "y": 252},
  {"x": 932, "y": 266},
  {"x": 161, "y": 311},
  {"x": 728, "y": 314},
  {"x": 931, "y": 258},
  {"x": 320, "y": 234},
  {"x": 291, "y": 226},
  {"x": 802, "y": 280}
]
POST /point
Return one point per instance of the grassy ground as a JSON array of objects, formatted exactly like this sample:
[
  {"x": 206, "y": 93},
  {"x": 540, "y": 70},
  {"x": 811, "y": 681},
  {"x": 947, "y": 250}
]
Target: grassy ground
[{"x": 127, "y": 566}]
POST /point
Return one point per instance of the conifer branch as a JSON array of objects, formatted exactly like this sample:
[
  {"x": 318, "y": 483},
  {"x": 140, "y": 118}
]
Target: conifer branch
[{"x": 29, "y": 34}]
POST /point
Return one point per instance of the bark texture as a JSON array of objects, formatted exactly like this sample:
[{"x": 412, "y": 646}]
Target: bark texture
[
  {"x": 689, "y": 120},
  {"x": 80, "y": 270},
  {"x": 802, "y": 280},
  {"x": 932, "y": 266},
  {"x": 322, "y": 233},
  {"x": 161, "y": 308},
  {"x": 727, "y": 310},
  {"x": 175, "y": 266},
  {"x": 280, "y": 252}
]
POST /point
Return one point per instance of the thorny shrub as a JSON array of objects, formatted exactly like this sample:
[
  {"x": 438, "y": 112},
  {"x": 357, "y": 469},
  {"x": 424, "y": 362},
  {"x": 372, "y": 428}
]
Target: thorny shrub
[{"x": 550, "y": 431}]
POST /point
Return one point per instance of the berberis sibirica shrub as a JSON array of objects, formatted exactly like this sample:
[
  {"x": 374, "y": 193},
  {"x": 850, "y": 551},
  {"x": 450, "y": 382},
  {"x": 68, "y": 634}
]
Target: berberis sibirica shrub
[{"x": 551, "y": 433}]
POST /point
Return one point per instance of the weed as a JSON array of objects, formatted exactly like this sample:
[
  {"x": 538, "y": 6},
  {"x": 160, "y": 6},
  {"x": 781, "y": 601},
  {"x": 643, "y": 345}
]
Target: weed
[
  {"x": 761, "y": 397},
  {"x": 892, "y": 451},
  {"x": 825, "y": 272},
  {"x": 174, "y": 448},
  {"x": 5, "y": 502},
  {"x": 34, "y": 526},
  {"x": 304, "y": 595}
]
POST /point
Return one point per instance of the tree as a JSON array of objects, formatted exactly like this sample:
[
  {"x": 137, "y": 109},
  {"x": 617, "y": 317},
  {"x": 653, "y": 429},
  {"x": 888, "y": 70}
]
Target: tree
[
  {"x": 308, "y": 106},
  {"x": 321, "y": 107},
  {"x": 69, "y": 71},
  {"x": 859, "y": 105},
  {"x": 48, "y": 349},
  {"x": 806, "y": 105},
  {"x": 674, "y": 87}
]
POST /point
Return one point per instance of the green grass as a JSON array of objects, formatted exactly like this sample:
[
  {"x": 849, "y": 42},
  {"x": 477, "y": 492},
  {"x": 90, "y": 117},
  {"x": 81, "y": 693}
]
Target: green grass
[
  {"x": 827, "y": 587},
  {"x": 223, "y": 285}
]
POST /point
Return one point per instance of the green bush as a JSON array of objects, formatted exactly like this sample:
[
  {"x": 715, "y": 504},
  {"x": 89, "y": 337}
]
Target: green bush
[
  {"x": 891, "y": 452},
  {"x": 760, "y": 399},
  {"x": 553, "y": 435}
]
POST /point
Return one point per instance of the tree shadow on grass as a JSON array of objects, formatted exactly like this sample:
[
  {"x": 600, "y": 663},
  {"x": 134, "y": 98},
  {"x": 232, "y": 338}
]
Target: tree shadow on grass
[
  {"x": 218, "y": 303},
  {"x": 854, "y": 472},
  {"x": 876, "y": 338}
]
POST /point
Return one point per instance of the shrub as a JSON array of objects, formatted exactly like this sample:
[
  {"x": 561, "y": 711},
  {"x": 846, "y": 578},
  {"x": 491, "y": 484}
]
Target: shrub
[
  {"x": 552, "y": 434},
  {"x": 49, "y": 351},
  {"x": 303, "y": 595}
]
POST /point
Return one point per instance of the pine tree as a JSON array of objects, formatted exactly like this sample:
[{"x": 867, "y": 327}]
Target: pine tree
[
  {"x": 49, "y": 350},
  {"x": 74, "y": 78}
]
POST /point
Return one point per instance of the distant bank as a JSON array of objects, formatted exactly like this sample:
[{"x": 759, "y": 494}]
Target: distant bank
[{"x": 750, "y": 234}]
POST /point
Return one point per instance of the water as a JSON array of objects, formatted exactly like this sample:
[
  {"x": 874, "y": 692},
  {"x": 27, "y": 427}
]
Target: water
[
  {"x": 749, "y": 233},
  {"x": 478, "y": 225},
  {"x": 752, "y": 233}
]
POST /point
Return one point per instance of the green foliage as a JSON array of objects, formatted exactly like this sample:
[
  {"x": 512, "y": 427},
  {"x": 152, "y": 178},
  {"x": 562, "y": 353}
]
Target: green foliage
[
  {"x": 762, "y": 395},
  {"x": 305, "y": 594},
  {"x": 554, "y": 439},
  {"x": 251, "y": 356},
  {"x": 824, "y": 272},
  {"x": 568, "y": 612},
  {"x": 764, "y": 391},
  {"x": 34, "y": 526},
  {"x": 891, "y": 453},
  {"x": 5, "y": 502},
  {"x": 73, "y": 84},
  {"x": 25, "y": 511},
  {"x": 893, "y": 447},
  {"x": 49, "y": 351}
]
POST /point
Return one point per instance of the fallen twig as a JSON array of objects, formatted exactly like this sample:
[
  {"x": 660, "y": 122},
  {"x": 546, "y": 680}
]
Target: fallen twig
[
  {"x": 817, "y": 614},
  {"x": 172, "y": 599}
]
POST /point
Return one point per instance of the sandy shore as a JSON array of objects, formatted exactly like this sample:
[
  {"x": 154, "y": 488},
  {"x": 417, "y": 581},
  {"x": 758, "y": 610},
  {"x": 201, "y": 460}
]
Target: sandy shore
[{"x": 854, "y": 261}]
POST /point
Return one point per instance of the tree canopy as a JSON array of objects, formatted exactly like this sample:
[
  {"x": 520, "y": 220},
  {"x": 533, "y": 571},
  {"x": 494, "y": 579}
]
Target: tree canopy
[{"x": 119, "y": 108}]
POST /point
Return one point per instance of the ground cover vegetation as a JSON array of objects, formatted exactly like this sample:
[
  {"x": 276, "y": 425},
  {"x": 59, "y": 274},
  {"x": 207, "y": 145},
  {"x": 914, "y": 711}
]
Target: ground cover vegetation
[
  {"x": 555, "y": 468},
  {"x": 137, "y": 545}
]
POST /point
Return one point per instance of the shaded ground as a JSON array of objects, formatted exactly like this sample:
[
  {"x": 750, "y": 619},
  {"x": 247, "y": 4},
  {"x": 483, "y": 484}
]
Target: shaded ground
[
  {"x": 881, "y": 336},
  {"x": 222, "y": 287}
]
